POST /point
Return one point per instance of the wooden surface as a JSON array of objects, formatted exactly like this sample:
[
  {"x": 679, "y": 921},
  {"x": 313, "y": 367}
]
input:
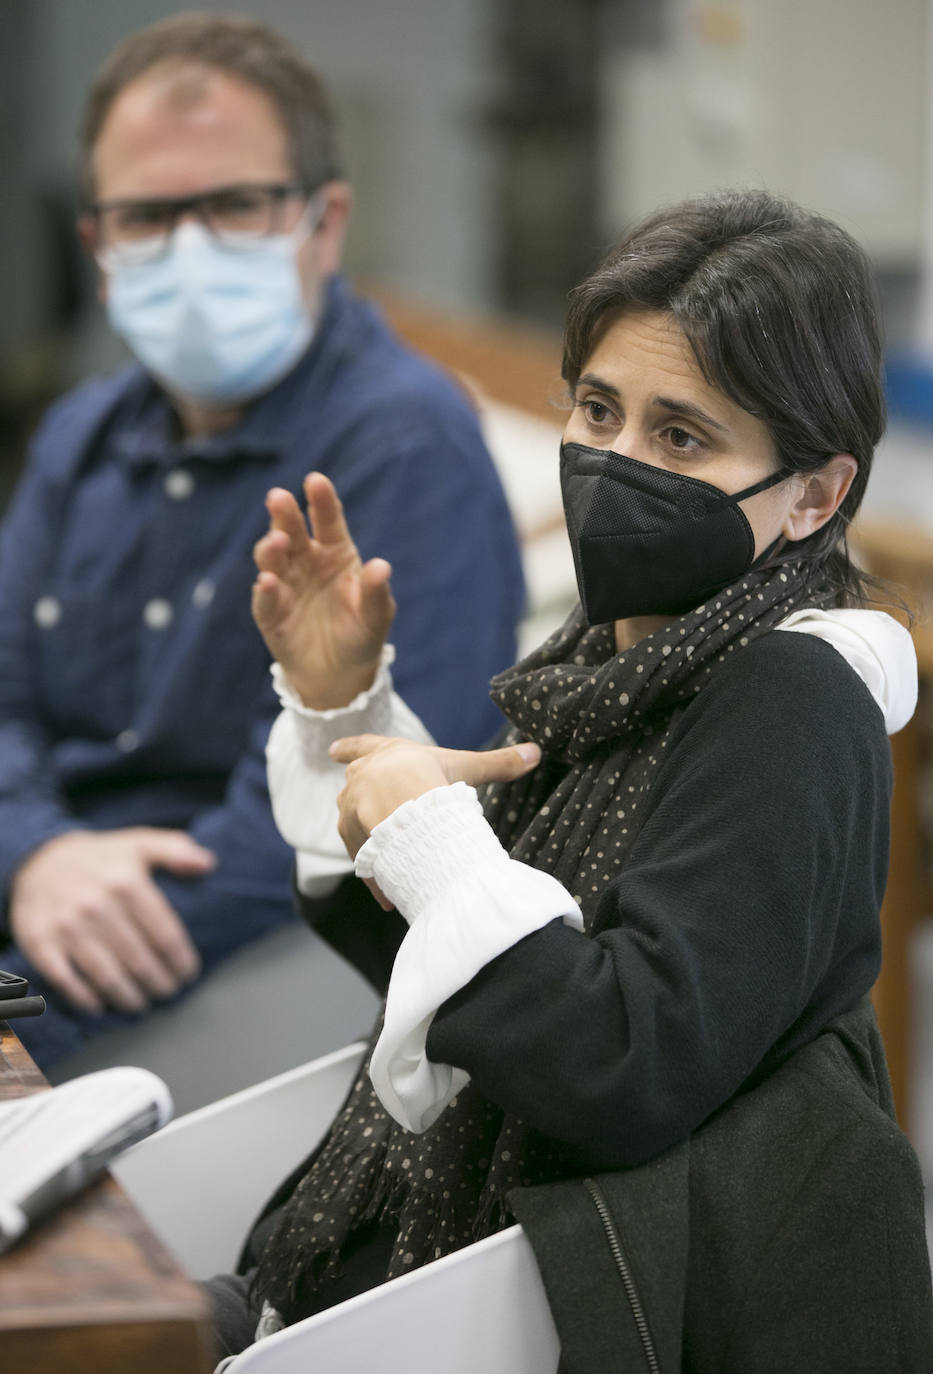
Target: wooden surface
[
  {"x": 92, "y": 1289},
  {"x": 515, "y": 363},
  {"x": 903, "y": 555}
]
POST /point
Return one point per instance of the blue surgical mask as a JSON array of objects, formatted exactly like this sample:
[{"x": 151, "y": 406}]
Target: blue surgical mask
[{"x": 215, "y": 325}]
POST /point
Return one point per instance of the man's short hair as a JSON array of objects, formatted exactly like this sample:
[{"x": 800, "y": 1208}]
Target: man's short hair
[{"x": 241, "y": 48}]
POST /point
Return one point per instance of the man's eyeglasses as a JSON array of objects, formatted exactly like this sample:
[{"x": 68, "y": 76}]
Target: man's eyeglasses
[{"x": 138, "y": 231}]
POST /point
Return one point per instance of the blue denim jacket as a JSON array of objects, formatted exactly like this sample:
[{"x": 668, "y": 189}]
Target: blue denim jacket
[{"x": 134, "y": 687}]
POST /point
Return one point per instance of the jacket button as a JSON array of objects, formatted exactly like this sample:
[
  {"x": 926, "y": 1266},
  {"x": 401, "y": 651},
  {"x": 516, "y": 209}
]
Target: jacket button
[
  {"x": 127, "y": 741},
  {"x": 203, "y": 594},
  {"x": 179, "y": 484},
  {"x": 158, "y": 613},
  {"x": 47, "y": 612}
]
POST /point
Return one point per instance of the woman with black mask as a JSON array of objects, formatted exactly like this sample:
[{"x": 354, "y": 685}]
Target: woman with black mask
[{"x": 628, "y": 951}]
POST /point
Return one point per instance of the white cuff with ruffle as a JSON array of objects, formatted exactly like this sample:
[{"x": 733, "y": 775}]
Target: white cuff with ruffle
[
  {"x": 304, "y": 780},
  {"x": 439, "y": 862}
]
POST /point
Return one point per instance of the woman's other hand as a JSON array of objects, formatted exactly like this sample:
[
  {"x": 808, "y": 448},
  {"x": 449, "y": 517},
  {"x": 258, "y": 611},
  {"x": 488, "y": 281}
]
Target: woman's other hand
[
  {"x": 383, "y": 773},
  {"x": 323, "y": 613}
]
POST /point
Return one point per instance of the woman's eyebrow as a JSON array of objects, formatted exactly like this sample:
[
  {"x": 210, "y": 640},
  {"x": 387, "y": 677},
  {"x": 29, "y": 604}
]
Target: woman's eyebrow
[
  {"x": 590, "y": 379},
  {"x": 689, "y": 411}
]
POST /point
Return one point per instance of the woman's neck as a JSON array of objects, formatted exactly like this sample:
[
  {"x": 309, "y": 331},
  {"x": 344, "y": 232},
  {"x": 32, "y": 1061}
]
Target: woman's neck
[{"x": 629, "y": 632}]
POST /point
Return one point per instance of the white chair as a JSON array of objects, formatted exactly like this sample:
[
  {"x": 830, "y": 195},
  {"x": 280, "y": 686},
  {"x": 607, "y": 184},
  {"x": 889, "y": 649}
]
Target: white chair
[
  {"x": 481, "y": 1309},
  {"x": 201, "y": 1181}
]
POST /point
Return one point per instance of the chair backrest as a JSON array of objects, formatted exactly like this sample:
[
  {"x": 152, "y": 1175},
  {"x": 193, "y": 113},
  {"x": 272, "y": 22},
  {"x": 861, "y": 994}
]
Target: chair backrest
[
  {"x": 479, "y": 1311},
  {"x": 202, "y": 1179}
]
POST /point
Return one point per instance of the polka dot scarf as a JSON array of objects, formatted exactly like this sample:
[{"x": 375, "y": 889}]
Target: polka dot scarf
[{"x": 603, "y": 720}]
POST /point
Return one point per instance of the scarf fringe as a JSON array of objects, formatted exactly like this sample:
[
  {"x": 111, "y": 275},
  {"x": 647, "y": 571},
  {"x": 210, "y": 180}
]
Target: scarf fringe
[
  {"x": 362, "y": 1183},
  {"x": 440, "y": 1227}
]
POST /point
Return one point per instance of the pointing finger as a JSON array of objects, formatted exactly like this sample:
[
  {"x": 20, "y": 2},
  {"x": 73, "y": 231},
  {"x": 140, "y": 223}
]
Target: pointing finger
[{"x": 491, "y": 765}]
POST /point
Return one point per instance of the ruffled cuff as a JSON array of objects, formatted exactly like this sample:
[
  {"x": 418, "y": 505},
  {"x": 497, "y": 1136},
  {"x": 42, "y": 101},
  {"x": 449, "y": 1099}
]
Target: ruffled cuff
[
  {"x": 369, "y": 712},
  {"x": 304, "y": 781},
  {"x": 466, "y": 902}
]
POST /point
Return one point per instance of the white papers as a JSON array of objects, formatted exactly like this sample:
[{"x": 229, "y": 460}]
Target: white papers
[{"x": 54, "y": 1143}]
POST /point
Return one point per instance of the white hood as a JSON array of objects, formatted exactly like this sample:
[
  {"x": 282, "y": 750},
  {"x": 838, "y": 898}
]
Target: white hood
[{"x": 879, "y": 649}]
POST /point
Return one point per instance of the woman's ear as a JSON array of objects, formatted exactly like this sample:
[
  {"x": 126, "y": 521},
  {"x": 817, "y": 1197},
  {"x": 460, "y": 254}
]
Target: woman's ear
[{"x": 821, "y": 494}]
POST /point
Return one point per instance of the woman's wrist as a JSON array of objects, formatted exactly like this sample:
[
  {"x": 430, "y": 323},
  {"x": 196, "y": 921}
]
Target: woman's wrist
[
  {"x": 426, "y": 844},
  {"x": 369, "y": 711},
  {"x": 333, "y": 691}
]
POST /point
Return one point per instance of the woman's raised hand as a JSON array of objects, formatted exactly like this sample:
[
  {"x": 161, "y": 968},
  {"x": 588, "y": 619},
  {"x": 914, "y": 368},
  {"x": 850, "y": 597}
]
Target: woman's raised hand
[{"x": 323, "y": 613}]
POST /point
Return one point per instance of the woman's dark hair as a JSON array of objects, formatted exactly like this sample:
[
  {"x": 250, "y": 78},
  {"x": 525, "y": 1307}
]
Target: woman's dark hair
[
  {"x": 239, "y": 47},
  {"x": 781, "y": 310}
]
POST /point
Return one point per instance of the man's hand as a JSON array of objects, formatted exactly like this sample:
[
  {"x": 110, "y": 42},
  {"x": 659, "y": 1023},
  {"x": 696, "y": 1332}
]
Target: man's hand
[
  {"x": 323, "y": 613},
  {"x": 383, "y": 773},
  {"x": 85, "y": 911}
]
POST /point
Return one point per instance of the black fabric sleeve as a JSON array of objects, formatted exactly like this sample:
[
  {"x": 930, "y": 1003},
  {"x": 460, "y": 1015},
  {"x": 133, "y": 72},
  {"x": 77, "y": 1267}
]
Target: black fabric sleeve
[
  {"x": 355, "y": 925},
  {"x": 746, "y": 918}
]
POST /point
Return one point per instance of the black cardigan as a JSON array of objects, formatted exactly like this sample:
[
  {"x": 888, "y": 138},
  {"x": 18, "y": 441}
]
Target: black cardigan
[
  {"x": 787, "y": 1234},
  {"x": 745, "y": 920}
]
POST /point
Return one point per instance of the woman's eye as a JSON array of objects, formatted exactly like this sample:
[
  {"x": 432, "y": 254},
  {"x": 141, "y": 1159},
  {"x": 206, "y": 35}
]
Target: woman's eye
[
  {"x": 596, "y": 412},
  {"x": 679, "y": 438}
]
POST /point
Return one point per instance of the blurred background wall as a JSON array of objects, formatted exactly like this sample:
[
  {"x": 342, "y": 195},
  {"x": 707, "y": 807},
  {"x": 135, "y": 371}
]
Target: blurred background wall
[{"x": 496, "y": 146}]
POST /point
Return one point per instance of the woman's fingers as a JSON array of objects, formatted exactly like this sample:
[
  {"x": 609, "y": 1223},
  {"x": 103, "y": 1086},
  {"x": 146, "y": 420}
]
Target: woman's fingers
[
  {"x": 328, "y": 526},
  {"x": 353, "y": 747},
  {"x": 285, "y": 515},
  {"x": 272, "y": 552},
  {"x": 377, "y": 604},
  {"x": 383, "y": 774},
  {"x": 490, "y": 765},
  {"x": 269, "y": 602},
  {"x": 325, "y": 510},
  {"x": 458, "y": 765}
]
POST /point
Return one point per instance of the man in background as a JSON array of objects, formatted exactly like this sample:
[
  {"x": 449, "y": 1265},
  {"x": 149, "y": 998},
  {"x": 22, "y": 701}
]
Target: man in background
[{"x": 137, "y": 846}]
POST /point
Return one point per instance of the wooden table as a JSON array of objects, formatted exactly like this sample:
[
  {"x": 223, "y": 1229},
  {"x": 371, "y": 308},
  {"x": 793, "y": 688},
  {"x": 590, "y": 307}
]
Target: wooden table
[{"x": 92, "y": 1289}]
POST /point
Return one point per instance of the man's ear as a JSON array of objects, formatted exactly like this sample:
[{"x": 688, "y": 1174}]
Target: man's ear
[
  {"x": 821, "y": 494},
  {"x": 332, "y": 228},
  {"x": 87, "y": 236}
]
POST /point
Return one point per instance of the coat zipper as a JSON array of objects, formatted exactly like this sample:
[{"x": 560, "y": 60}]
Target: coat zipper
[{"x": 625, "y": 1273}]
